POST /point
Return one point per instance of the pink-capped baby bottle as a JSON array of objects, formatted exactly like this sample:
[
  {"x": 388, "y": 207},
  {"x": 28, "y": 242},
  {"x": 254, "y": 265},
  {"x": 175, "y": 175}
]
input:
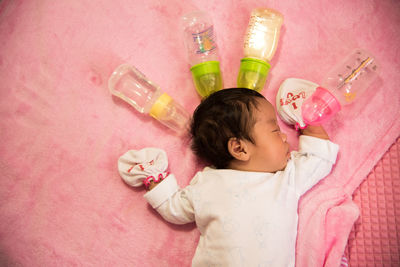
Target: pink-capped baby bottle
[{"x": 345, "y": 83}]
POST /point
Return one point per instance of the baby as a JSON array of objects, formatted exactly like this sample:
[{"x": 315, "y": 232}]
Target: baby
[{"x": 245, "y": 206}]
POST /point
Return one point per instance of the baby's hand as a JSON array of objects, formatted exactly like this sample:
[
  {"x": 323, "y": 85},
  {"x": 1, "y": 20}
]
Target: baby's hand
[
  {"x": 315, "y": 131},
  {"x": 146, "y": 166}
]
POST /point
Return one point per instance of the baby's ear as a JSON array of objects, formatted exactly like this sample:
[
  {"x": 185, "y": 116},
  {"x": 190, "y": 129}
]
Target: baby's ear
[{"x": 238, "y": 149}]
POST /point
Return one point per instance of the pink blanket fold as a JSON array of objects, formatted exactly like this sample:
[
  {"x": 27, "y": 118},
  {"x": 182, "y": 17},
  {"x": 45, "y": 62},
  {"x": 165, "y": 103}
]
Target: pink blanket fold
[{"x": 62, "y": 202}]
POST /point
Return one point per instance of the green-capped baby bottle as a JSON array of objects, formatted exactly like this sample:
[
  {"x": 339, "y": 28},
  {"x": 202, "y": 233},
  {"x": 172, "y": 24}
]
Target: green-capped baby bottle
[
  {"x": 129, "y": 84},
  {"x": 200, "y": 41},
  {"x": 260, "y": 43}
]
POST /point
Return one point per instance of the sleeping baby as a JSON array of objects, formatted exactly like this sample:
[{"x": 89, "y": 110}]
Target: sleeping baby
[{"x": 244, "y": 204}]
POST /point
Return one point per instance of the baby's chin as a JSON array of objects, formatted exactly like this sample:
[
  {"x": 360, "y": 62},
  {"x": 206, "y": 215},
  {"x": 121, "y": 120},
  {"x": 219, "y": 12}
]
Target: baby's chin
[{"x": 284, "y": 164}]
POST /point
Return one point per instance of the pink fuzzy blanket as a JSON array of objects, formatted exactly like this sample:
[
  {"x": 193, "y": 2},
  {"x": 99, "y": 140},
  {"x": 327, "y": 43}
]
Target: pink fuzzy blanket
[{"x": 62, "y": 202}]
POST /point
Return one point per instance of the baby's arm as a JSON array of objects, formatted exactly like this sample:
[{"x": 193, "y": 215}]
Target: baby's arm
[
  {"x": 315, "y": 131},
  {"x": 149, "y": 167},
  {"x": 171, "y": 202},
  {"x": 152, "y": 185},
  {"x": 315, "y": 157}
]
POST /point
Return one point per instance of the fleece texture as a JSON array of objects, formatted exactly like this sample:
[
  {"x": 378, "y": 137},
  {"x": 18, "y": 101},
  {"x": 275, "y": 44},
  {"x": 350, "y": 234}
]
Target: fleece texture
[{"x": 62, "y": 201}]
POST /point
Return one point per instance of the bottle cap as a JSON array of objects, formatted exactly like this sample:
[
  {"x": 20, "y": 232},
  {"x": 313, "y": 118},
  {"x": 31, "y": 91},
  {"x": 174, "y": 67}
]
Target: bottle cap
[
  {"x": 256, "y": 65},
  {"x": 158, "y": 109},
  {"x": 253, "y": 73},
  {"x": 204, "y": 68},
  {"x": 319, "y": 107},
  {"x": 207, "y": 77}
]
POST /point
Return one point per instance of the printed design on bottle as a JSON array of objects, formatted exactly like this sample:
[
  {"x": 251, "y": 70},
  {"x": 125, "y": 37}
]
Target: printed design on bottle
[
  {"x": 361, "y": 67},
  {"x": 256, "y": 31},
  {"x": 204, "y": 40},
  {"x": 291, "y": 99},
  {"x": 349, "y": 96}
]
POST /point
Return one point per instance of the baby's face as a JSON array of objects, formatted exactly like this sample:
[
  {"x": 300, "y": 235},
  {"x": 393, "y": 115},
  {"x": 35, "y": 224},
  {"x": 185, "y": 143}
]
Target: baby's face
[{"x": 270, "y": 151}]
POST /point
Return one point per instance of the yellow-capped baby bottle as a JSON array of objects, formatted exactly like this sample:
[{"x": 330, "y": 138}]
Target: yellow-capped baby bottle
[
  {"x": 260, "y": 43},
  {"x": 129, "y": 84}
]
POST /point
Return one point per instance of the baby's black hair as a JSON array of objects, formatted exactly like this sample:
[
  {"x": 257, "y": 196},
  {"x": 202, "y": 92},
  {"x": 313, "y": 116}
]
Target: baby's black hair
[{"x": 222, "y": 115}]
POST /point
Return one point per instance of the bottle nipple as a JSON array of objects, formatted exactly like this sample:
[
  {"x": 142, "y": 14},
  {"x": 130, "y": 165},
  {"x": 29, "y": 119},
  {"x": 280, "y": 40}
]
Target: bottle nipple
[
  {"x": 170, "y": 113},
  {"x": 159, "y": 110}
]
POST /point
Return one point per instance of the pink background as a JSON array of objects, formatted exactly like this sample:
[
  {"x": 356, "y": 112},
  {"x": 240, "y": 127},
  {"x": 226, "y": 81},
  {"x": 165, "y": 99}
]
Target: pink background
[{"x": 62, "y": 202}]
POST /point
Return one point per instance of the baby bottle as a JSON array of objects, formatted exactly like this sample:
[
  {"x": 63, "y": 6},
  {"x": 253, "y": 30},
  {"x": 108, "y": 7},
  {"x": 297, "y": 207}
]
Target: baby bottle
[
  {"x": 202, "y": 51},
  {"x": 260, "y": 44},
  {"x": 129, "y": 84},
  {"x": 346, "y": 82}
]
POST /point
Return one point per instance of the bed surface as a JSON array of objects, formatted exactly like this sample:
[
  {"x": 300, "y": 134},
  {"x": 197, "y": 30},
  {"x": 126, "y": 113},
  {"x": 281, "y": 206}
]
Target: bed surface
[
  {"x": 375, "y": 238},
  {"x": 62, "y": 201}
]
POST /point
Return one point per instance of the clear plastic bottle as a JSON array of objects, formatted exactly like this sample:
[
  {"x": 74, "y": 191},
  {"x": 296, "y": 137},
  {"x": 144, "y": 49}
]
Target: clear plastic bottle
[
  {"x": 260, "y": 43},
  {"x": 129, "y": 84},
  {"x": 202, "y": 51},
  {"x": 344, "y": 83}
]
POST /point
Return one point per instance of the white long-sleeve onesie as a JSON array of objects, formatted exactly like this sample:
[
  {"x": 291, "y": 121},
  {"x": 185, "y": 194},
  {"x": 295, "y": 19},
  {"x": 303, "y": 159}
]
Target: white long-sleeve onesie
[{"x": 246, "y": 218}]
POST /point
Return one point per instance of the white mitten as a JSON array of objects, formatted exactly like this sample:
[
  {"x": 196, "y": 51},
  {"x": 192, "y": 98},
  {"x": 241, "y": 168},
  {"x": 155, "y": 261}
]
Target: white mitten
[
  {"x": 138, "y": 167},
  {"x": 289, "y": 99}
]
